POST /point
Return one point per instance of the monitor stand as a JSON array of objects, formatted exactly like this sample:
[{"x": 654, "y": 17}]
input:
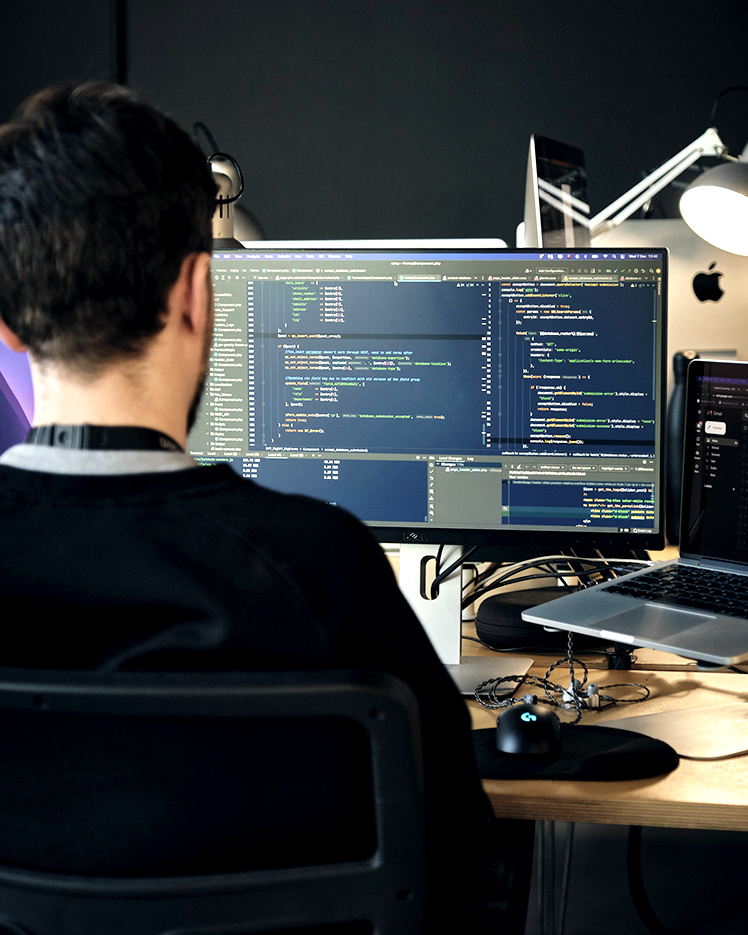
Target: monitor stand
[{"x": 442, "y": 619}]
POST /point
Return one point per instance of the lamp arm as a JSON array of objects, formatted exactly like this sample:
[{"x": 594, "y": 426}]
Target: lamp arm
[
  {"x": 708, "y": 144},
  {"x": 646, "y": 195}
]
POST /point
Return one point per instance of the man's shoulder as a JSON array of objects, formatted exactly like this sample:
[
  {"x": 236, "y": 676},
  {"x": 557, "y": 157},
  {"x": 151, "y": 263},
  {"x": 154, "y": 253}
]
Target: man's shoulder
[
  {"x": 294, "y": 516},
  {"x": 207, "y": 507},
  {"x": 214, "y": 488}
]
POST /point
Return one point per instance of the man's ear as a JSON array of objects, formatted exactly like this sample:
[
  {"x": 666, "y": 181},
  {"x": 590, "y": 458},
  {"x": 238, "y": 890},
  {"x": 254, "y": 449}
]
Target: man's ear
[
  {"x": 9, "y": 338},
  {"x": 192, "y": 291}
]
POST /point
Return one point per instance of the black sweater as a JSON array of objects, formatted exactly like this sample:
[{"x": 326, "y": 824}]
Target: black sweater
[{"x": 93, "y": 566}]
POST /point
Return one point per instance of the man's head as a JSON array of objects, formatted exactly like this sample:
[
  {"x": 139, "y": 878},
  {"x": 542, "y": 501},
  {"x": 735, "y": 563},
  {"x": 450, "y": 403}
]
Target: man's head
[{"x": 101, "y": 199}]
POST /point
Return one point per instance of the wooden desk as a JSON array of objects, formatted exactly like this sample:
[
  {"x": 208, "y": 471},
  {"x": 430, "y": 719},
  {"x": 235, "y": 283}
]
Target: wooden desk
[{"x": 710, "y": 795}]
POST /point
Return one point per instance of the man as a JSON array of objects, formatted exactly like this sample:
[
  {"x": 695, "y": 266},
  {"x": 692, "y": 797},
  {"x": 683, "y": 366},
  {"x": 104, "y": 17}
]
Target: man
[{"x": 117, "y": 550}]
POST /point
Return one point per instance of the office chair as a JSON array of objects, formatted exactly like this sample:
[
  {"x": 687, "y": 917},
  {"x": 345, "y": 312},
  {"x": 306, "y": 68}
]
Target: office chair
[{"x": 205, "y": 804}]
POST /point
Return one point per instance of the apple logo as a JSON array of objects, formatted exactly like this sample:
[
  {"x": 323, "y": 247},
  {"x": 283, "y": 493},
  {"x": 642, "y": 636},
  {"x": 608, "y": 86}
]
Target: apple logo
[{"x": 706, "y": 286}]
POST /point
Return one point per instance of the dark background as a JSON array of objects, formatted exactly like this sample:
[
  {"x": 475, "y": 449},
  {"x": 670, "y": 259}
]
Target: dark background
[{"x": 403, "y": 118}]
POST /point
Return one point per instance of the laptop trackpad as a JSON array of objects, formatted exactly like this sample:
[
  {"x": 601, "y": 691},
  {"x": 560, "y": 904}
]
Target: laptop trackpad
[{"x": 654, "y": 623}]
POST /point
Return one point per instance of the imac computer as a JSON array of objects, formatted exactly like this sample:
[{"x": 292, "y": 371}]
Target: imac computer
[
  {"x": 448, "y": 396},
  {"x": 556, "y": 204}
]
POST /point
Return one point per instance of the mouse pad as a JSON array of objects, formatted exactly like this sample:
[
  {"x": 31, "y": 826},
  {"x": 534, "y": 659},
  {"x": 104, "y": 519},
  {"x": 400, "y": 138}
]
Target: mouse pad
[{"x": 594, "y": 753}]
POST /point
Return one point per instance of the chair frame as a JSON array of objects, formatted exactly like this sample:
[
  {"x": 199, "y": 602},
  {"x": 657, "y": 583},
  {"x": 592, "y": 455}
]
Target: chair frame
[{"x": 389, "y": 890}]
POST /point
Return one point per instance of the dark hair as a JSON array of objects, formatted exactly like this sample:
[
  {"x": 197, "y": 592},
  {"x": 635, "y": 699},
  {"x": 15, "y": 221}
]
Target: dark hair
[{"x": 101, "y": 199}]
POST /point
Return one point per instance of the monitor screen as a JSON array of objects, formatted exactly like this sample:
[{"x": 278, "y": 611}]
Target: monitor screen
[{"x": 447, "y": 395}]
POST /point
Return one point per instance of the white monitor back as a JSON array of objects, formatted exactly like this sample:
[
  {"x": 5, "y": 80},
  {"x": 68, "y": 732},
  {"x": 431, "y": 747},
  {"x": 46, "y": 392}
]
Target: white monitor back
[{"x": 715, "y": 329}]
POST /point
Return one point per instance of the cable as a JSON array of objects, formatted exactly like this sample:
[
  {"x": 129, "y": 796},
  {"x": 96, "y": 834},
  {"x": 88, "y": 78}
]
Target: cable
[
  {"x": 443, "y": 575},
  {"x": 734, "y": 87},
  {"x": 636, "y": 884},
  {"x": 579, "y": 695},
  {"x": 203, "y": 128},
  {"x": 506, "y": 574},
  {"x": 703, "y": 666}
]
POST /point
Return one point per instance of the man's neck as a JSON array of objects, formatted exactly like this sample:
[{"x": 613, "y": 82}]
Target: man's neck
[
  {"x": 121, "y": 395},
  {"x": 158, "y": 389}
]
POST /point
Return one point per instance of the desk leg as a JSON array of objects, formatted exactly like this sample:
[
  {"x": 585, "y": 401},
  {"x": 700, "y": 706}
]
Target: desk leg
[
  {"x": 565, "y": 877},
  {"x": 552, "y": 894},
  {"x": 546, "y": 871}
]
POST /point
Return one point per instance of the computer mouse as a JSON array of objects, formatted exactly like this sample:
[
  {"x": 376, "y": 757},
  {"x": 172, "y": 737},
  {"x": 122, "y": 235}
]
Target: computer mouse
[{"x": 528, "y": 730}]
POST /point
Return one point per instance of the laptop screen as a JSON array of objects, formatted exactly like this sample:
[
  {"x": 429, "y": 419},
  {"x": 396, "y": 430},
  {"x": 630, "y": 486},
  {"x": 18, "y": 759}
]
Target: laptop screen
[{"x": 715, "y": 471}]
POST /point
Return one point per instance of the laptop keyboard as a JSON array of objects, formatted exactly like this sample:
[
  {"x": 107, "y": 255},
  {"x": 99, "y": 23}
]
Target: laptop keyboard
[{"x": 682, "y": 585}]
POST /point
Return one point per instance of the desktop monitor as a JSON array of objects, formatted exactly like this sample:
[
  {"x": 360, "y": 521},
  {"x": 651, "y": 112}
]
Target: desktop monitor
[
  {"x": 556, "y": 203},
  {"x": 447, "y": 395}
]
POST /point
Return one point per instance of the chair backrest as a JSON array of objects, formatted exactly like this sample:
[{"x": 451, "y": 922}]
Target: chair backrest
[{"x": 210, "y": 804}]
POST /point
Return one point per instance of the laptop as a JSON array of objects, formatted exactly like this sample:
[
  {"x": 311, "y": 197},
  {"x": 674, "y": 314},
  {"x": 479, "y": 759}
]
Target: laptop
[{"x": 695, "y": 606}]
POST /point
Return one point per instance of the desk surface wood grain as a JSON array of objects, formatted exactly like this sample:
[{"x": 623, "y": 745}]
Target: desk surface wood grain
[{"x": 695, "y": 795}]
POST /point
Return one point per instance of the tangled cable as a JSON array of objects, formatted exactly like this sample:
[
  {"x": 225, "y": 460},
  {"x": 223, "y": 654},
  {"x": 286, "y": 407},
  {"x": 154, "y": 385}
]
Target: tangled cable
[{"x": 579, "y": 695}]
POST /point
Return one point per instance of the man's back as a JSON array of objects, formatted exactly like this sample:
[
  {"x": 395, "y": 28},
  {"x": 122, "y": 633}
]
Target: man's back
[
  {"x": 281, "y": 580},
  {"x": 106, "y": 571},
  {"x": 123, "y": 557}
]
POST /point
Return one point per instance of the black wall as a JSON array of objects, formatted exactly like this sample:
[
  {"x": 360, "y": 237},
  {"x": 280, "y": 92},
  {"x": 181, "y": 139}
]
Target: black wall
[
  {"x": 43, "y": 42},
  {"x": 405, "y": 119}
]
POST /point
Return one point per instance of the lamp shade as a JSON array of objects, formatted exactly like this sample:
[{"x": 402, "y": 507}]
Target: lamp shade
[{"x": 715, "y": 206}]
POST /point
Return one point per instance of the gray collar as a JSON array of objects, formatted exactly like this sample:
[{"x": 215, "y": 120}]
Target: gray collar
[{"x": 77, "y": 461}]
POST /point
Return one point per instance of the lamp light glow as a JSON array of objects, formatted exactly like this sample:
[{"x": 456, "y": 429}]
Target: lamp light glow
[{"x": 715, "y": 206}]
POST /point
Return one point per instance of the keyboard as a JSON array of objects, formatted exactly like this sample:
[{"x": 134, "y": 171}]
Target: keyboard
[{"x": 685, "y": 586}]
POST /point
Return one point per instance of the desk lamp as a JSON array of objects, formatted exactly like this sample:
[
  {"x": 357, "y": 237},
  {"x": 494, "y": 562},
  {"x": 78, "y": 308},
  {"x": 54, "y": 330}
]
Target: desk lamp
[
  {"x": 229, "y": 180},
  {"x": 708, "y": 144},
  {"x": 715, "y": 205}
]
